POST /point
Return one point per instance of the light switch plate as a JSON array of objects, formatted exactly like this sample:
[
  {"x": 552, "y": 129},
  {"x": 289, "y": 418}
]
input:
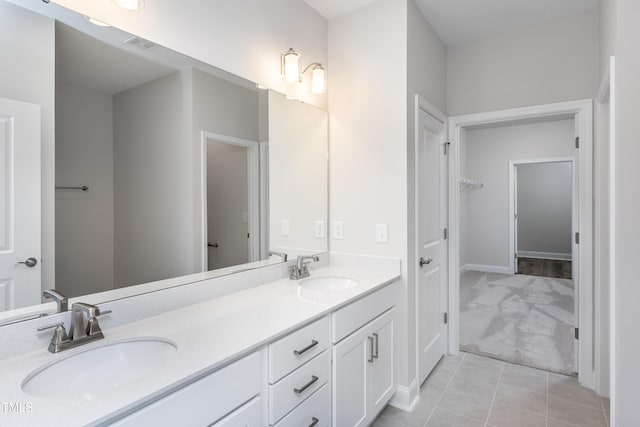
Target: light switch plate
[
  {"x": 338, "y": 230},
  {"x": 382, "y": 233},
  {"x": 320, "y": 230},
  {"x": 285, "y": 227}
]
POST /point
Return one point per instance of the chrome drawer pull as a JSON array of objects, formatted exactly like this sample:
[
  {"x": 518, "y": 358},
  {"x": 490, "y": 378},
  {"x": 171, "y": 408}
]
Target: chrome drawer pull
[
  {"x": 375, "y": 355},
  {"x": 306, "y": 386},
  {"x": 370, "y": 360},
  {"x": 307, "y": 348},
  {"x": 314, "y": 422}
]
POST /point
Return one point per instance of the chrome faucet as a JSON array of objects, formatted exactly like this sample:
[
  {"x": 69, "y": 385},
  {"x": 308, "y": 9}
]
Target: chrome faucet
[
  {"x": 81, "y": 332},
  {"x": 62, "y": 302},
  {"x": 280, "y": 254},
  {"x": 300, "y": 270}
]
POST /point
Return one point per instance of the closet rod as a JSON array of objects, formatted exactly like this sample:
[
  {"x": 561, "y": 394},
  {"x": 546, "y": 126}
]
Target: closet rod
[{"x": 83, "y": 188}]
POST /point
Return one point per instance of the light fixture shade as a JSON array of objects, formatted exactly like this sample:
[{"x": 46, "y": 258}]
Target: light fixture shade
[
  {"x": 291, "y": 66},
  {"x": 130, "y": 4},
  {"x": 94, "y": 21},
  {"x": 317, "y": 79}
]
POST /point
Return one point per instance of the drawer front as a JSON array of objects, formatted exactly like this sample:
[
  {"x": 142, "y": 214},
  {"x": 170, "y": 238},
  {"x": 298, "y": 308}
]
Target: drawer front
[
  {"x": 349, "y": 318},
  {"x": 297, "y": 348},
  {"x": 205, "y": 401},
  {"x": 246, "y": 416},
  {"x": 296, "y": 387},
  {"x": 317, "y": 407}
]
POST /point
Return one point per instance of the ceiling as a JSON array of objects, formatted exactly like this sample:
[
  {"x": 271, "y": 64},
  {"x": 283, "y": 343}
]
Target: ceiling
[{"x": 460, "y": 21}]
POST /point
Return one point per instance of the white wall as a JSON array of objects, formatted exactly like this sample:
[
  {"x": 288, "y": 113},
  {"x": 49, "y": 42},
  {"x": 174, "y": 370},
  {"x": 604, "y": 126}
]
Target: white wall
[
  {"x": 298, "y": 175},
  {"x": 608, "y": 32},
  {"x": 551, "y": 62},
  {"x": 153, "y": 181},
  {"x": 84, "y": 220},
  {"x": 488, "y": 152},
  {"x": 31, "y": 37},
  {"x": 368, "y": 143},
  {"x": 545, "y": 199},
  {"x": 244, "y": 37},
  {"x": 627, "y": 205}
]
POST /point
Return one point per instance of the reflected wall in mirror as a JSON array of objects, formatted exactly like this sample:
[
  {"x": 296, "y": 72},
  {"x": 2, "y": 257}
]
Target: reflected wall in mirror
[{"x": 188, "y": 168}]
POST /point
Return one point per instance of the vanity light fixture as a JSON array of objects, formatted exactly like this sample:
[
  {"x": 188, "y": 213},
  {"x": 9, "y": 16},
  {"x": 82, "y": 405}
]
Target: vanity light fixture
[
  {"x": 130, "y": 4},
  {"x": 290, "y": 71}
]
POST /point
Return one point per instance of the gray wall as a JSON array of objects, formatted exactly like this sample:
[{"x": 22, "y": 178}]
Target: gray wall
[
  {"x": 488, "y": 152},
  {"x": 84, "y": 220},
  {"x": 224, "y": 108},
  {"x": 31, "y": 38},
  {"x": 153, "y": 181},
  {"x": 545, "y": 208},
  {"x": 552, "y": 62}
]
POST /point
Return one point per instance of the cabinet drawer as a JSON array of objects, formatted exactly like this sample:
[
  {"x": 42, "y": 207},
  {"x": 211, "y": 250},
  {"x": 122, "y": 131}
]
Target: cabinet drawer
[
  {"x": 348, "y": 319},
  {"x": 246, "y": 416},
  {"x": 205, "y": 401},
  {"x": 296, "y": 387},
  {"x": 317, "y": 407},
  {"x": 295, "y": 349}
]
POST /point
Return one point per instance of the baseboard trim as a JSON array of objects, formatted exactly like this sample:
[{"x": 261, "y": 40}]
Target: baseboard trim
[
  {"x": 486, "y": 268},
  {"x": 544, "y": 255},
  {"x": 406, "y": 398}
]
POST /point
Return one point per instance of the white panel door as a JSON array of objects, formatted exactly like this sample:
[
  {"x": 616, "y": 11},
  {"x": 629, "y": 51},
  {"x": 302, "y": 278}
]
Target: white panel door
[
  {"x": 19, "y": 204},
  {"x": 432, "y": 263}
]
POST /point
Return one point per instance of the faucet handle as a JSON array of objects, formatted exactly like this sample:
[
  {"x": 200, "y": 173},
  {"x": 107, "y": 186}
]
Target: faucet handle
[{"x": 53, "y": 325}]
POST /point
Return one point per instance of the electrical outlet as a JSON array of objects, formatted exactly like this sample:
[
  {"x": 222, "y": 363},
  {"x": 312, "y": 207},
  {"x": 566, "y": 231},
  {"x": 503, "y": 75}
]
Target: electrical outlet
[
  {"x": 382, "y": 233},
  {"x": 319, "y": 229},
  {"x": 338, "y": 230},
  {"x": 285, "y": 227}
]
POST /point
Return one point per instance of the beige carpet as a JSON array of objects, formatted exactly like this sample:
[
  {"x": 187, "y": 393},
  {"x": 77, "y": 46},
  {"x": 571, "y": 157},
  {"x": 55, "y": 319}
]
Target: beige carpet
[{"x": 521, "y": 319}]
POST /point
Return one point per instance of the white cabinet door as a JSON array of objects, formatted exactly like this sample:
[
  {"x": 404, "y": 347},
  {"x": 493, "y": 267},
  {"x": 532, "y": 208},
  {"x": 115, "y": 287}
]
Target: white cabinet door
[
  {"x": 363, "y": 372},
  {"x": 351, "y": 379},
  {"x": 382, "y": 372}
]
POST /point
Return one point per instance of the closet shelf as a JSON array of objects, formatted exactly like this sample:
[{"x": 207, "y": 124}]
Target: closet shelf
[{"x": 467, "y": 184}]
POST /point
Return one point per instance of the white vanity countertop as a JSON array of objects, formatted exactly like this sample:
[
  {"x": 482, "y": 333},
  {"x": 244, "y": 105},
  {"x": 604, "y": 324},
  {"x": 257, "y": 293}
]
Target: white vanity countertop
[{"x": 208, "y": 335}]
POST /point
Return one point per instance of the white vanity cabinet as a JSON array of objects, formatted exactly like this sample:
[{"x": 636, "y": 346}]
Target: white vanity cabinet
[
  {"x": 299, "y": 373},
  {"x": 227, "y": 397},
  {"x": 363, "y": 362}
]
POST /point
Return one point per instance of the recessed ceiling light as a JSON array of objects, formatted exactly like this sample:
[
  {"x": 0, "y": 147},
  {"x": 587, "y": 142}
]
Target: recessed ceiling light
[
  {"x": 130, "y": 4},
  {"x": 94, "y": 21}
]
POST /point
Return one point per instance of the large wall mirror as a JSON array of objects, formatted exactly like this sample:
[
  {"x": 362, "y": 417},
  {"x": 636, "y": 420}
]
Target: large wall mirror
[{"x": 148, "y": 166}]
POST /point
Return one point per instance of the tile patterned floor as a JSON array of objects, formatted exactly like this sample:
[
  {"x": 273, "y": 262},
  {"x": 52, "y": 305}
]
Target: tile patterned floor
[{"x": 474, "y": 391}]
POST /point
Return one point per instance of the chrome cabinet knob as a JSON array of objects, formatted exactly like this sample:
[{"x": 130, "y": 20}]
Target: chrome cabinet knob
[{"x": 29, "y": 262}]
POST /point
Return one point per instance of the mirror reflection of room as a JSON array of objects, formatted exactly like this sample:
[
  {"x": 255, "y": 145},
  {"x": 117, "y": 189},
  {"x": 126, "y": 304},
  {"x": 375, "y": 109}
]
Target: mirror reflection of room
[
  {"x": 128, "y": 135},
  {"x": 517, "y": 295}
]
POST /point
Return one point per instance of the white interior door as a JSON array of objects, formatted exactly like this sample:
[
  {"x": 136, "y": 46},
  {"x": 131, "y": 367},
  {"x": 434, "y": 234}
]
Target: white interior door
[
  {"x": 432, "y": 251},
  {"x": 19, "y": 204}
]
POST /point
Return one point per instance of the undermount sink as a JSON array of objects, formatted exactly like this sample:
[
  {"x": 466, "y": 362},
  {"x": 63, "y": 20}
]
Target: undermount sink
[
  {"x": 328, "y": 283},
  {"x": 97, "y": 370}
]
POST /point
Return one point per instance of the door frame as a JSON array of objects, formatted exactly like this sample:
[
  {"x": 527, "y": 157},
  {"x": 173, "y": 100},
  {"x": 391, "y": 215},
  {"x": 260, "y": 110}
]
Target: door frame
[
  {"x": 582, "y": 110},
  {"x": 423, "y": 104},
  {"x": 513, "y": 191},
  {"x": 253, "y": 166}
]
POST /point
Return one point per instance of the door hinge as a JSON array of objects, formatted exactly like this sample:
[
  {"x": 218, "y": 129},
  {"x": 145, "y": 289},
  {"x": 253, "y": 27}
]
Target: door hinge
[
  {"x": 248, "y": 236},
  {"x": 577, "y": 142},
  {"x": 577, "y": 238},
  {"x": 576, "y": 333},
  {"x": 446, "y": 318},
  {"x": 446, "y": 147},
  {"x": 446, "y": 234}
]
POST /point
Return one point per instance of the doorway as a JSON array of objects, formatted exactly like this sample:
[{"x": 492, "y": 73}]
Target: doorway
[
  {"x": 541, "y": 213},
  {"x": 580, "y": 112},
  {"x": 230, "y": 201}
]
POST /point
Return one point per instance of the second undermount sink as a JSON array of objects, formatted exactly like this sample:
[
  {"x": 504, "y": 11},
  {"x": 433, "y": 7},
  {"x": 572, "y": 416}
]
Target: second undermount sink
[
  {"x": 99, "y": 370},
  {"x": 329, "y": 283}
]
